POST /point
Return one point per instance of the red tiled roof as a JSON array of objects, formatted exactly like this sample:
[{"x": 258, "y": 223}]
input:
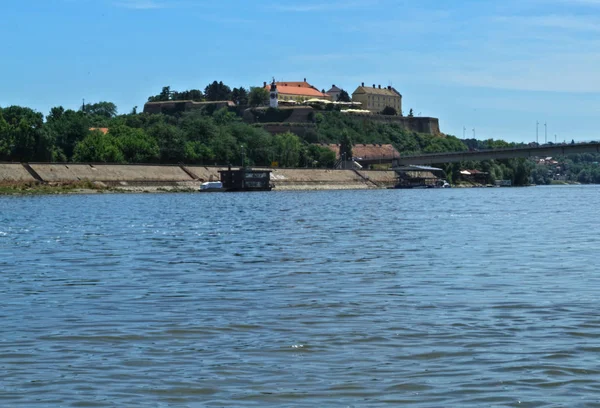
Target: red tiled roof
[
  {"x": 103, "y": 130},
  {"x": 297, "y": 88},
  {"x": 291, "y": 90}
]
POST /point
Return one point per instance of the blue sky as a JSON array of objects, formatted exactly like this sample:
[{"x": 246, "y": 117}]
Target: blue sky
[{"x": 493, "y": 66}]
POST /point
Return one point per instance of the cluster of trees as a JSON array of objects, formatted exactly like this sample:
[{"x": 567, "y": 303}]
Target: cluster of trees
[
  {"x": 580, "y": 168},
  {"x": 194, "y": 137},
  {"x": 221, "y": 137},
  {"x": 216, "y": 91},
  {"x": 207, "y": 137}
]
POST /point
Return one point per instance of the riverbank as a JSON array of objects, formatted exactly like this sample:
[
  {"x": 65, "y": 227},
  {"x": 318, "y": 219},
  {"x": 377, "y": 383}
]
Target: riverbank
[{"x": 54, "y": 178}]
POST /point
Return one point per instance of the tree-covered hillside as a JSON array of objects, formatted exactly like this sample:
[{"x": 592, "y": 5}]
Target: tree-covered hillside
[{"x": 96, "y": 133}]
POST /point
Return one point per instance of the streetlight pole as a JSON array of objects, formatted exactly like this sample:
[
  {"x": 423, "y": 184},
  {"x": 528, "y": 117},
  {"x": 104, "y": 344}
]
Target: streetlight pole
[
  {"x": 474, "y": 133},
  {"x": 537, "y": 132},
  {"x": 546, "y": 132}
]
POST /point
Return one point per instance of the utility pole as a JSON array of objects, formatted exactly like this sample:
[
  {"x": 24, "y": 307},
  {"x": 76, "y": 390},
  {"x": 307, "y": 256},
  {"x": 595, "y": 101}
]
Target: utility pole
[
  {"x": 537, "y": 132},
  {"x": 546, "y": 132},
  {"x": 474, "y": 133},
  {"x": 464, "y": 132},
  {"x": 555, "y": 138}
]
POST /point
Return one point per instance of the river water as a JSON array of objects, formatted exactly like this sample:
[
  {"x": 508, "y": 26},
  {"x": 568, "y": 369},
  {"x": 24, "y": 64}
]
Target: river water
[{"x": 424, "y": 298}]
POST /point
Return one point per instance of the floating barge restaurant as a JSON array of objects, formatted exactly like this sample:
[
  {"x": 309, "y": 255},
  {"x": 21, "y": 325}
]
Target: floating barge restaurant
[
  {"x": 243, "y": 179},
  {"x": 419, "y": 177}
]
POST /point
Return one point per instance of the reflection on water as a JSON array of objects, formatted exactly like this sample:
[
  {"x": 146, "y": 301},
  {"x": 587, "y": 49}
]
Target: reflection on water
[{"x": 484, "y": 297}]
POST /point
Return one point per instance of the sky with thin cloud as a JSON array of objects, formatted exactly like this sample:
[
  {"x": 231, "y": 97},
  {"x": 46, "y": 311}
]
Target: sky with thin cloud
[{"x": 487, "y": 68}]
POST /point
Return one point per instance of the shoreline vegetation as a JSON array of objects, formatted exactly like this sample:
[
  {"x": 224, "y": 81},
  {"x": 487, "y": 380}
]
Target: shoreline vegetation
[{"x": 98, "y": 133}]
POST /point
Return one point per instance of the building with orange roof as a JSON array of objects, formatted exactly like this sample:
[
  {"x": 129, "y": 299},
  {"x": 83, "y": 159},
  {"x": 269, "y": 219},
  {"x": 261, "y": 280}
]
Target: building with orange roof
[
  {"x": 103, "y": 130},
  {"x": 297, "y": 91}
]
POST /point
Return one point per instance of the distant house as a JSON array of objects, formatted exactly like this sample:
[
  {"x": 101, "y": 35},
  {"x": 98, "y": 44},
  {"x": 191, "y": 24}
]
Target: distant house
[
  {"x": 103, "y": 130},
  {"x": 376, "y": 98},
  {"x": 334, "y": 93},
  {"x": 297, "y": 91}
]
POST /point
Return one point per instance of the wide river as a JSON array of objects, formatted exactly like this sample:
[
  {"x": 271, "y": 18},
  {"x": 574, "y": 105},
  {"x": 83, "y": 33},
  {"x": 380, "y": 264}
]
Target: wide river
[{"x": 424, "y": 298}]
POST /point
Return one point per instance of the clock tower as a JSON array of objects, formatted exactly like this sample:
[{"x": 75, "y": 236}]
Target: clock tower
[{"x": 273, "y": 97}]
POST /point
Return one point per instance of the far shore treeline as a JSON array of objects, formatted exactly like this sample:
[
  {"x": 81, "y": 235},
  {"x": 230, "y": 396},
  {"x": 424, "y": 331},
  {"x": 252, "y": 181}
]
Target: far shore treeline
[{"x": 219, "y": 136}]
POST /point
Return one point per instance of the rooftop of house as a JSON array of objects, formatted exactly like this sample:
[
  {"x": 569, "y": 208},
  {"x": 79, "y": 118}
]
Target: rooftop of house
[
  {"x": 334, "y": 89},
  {"x": 103, "y": 130},
  {"x": 297, "y": 88},
  {"x": 377, "y": 90}
]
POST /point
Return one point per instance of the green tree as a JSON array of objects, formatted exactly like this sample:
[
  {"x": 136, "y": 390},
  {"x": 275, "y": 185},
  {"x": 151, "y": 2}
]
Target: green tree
[
  {"x": 103, "y": 109},
  {"x": 68, "y": 127},
  {"x": 343, "y": 96},
  {"x": 198, "y": 128},
  {"x": 197, "y": 152},
  {"x": 319, "y": 156},
  {"x": 217, "y": 91},
  {"x": 164, "y": 95},
  {"x": 6, "y": 139},
  {"x": 287, "y": 147},
  {"x": 258, "y": 96},
  {"x": 25, "y": 134},
  {"x": 171, "y": 142},
  {"x": 135, "y": 144},
  {"x": 190, "y": 95},
  {"x": 98, "y": 147},
  {"x": 346, "y": 146},
  {"x": 390, "y": 111},
  {"x": 239, "y": 96}
]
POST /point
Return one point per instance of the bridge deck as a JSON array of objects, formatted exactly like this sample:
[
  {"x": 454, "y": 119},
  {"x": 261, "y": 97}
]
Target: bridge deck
[{"x": 508, "y": 153}]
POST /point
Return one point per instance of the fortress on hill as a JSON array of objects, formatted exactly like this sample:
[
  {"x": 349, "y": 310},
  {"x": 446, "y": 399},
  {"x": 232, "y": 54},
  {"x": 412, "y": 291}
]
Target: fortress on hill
[{"x": 297, "y": 102}]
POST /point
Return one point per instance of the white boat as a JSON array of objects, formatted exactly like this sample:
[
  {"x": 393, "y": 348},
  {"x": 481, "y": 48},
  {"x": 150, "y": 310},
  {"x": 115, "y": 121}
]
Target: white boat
[{"x": 211, "y": 185}]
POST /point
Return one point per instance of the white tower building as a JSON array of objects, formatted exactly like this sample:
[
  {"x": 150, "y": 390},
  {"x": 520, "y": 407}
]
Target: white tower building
[{"x": 274, "y": 95}]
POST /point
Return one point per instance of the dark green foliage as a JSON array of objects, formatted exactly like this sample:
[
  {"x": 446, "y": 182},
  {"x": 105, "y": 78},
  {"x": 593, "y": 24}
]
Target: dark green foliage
[
  {"x": 218, "y": 136},
  {"x": 271, "y": 115},
  {"x": 346, "y": 146},
  {"x": 135, "y": 144},
  {"x": 104, "y": 109},
  {"x": 343, "y": 97},
  {"x": 171, "y": 142},
  {"x": 22, "y": 136},
  {"x": 258, "y": 96},
  {"x": 98, "y": 147},
  {"x": 389, "y": 111},
  {"x": 239, "y": 96},
  {"x": 68, "y": 127},
  {"x": 217, "y": 91}
]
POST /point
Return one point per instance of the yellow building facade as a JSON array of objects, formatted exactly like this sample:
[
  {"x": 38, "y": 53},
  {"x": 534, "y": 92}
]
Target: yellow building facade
[{"x": 376, "y": 98}]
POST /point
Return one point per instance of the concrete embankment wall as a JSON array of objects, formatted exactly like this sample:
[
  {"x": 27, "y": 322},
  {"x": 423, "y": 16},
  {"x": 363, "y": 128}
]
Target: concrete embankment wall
[
  {"x": 109, "y": 173},
  {"x": 317, "y": 179},
  {"x": 190, "y": 176},
  {"x": 380, "y": 178},
  {"x": 15, "y": 173}
]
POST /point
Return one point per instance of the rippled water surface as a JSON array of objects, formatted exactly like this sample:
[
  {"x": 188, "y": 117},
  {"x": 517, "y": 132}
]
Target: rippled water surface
[{"x": 428, "y": 298}]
